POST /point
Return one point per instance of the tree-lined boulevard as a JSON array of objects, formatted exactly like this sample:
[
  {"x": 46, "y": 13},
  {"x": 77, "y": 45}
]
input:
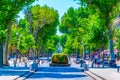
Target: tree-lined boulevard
[{"x": 90, "y": 33}]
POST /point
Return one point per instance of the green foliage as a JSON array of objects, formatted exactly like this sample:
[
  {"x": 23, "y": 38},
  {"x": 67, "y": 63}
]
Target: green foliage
[
  {"x": 60, "y": 58},
  {"x": 9, "y": 10},
  {"x": 44, "y": 16},
  {"x": 88, "y": 24},
  {"x": 117, "y": 38},
  {"x": 68, "y": 46},
  {"x": 23, "y": 23},
  {"x": 45, "y": 21},
  {"x": 68, "y": 20},
  {"x": 22, "y": 40},
  {"x": 51, "y": 44},
  {"x": 63, "y": 40},
  {"x": 73, "y": 23},
  {"x": 97, "y": 34},
  {"x": 26, "y": 43},
  {"x": 2, "y": 35},
  {"x": 107, "y": 11}
]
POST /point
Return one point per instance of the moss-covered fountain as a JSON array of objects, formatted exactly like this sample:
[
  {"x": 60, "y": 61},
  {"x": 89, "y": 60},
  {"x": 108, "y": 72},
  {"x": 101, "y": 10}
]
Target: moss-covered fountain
[{"x": 59, "y": 60}]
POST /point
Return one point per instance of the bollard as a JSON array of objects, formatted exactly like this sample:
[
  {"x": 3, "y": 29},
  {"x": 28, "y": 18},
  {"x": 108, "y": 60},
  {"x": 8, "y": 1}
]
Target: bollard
[
  {"x": 14, "y": 62},
  {"x": 25, "y": 64},
  {"x": 85, "y": 67},
  {"x": 33, "y": 66},
  {"x": 92, "y": 65},
  {"x": 81, "y": 63},
  {"x": 118, "y": 69},
  {"x": 38, "y": 62}
]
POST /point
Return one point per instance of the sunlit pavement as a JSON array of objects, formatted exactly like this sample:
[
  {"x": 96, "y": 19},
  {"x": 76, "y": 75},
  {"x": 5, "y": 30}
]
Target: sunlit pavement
[
  {"x": 72, "y": 73},
  {"x": 58, "y": 73},
  {"x": 107, "y": 73},
  {"x": 45, "y": 72}
]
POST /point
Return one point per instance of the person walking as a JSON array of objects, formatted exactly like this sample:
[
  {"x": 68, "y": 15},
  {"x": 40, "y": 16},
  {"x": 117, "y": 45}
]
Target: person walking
[{"x": 98, "y": 62}]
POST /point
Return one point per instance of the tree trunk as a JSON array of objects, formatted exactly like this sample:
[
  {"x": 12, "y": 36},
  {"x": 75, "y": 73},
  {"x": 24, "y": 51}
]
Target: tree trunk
[
  {"x": 110, "y": 36},
  {"x": 1, "y": 53},
  {"x": 77, "y": 54},
  {"x": 83, "y": 51},
  {"x": 36, "y": 52},
  {"x": 37, "y": 30},
  {"x": 5, "y": 61},
  {"x": 41, "y": 50},
  {"x": 112, "y": 62},
  {"x": 29, "y": 20},
  {"x": 35, "y": 33}
]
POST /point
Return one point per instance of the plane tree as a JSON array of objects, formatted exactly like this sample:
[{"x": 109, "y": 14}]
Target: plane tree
[
  {"x": 8, "y": 12},
  {"x": 43, "y": 22},
  {"x": 108, "y": 11}
]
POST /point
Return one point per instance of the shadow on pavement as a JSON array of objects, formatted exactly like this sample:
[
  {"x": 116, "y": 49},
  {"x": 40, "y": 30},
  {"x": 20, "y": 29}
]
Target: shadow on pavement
[
  {"x": 58, "y": 72},
  {"x": 56, "y": 75},
  {"x": 59, "y": 69},
  {"x": 12, "y": 71}
]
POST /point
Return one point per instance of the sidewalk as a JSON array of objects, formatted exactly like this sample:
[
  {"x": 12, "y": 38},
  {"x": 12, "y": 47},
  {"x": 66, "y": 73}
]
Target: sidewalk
[
  {"x": 11, "y": 73},
  {"x": 107, "y": 73},
  {"x": 45, "y": 72}
]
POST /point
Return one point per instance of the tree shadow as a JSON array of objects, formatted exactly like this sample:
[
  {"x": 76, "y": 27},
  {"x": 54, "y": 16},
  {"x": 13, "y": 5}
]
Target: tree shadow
[
  {"x": 13, "y": 71},
  {"x": 59, "y": 69},
  {"x": 58, "y": 72},
  {"x": 57, "y": 75}
]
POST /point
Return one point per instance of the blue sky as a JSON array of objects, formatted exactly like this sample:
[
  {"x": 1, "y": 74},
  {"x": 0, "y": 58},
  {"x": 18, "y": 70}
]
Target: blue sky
[{"x": 61, "y": 5}]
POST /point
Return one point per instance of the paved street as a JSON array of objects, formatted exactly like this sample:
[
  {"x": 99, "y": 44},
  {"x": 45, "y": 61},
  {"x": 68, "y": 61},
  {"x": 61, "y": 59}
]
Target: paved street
[
  {"x": 55, "y": 73},
  {"x": 107, "y": 73},
  {"x": 58, "y": 73},
  {"x": 11, "y": 73},
  {"x": 45, "y": 72}
]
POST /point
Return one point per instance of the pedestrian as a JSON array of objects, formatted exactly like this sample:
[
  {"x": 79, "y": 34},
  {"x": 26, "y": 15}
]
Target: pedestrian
[
  {"x": 14, "y": 63},
  {"x": 98, "y": 62},
  {"x": 95, "y": 59},
  {"x": 39, "y": 62},
  {"x": 118, "y": 66}
]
